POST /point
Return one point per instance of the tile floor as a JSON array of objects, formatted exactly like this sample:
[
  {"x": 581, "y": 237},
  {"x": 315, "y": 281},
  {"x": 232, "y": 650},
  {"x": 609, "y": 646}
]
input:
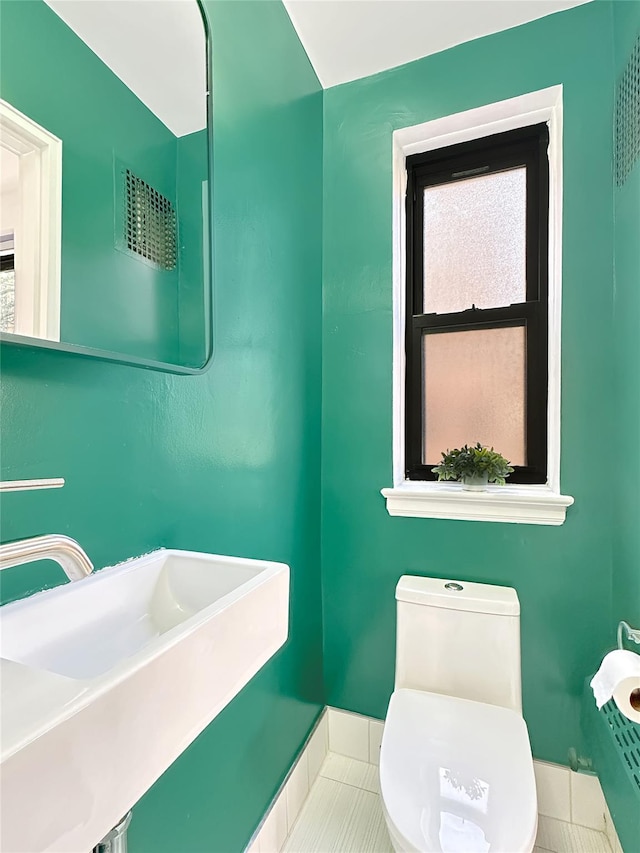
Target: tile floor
[{"x": 342, "y": 814}]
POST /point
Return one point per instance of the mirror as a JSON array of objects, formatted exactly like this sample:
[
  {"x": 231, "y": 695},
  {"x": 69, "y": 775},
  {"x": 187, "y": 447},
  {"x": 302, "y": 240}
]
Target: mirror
[{"x": 104, "y": 179}]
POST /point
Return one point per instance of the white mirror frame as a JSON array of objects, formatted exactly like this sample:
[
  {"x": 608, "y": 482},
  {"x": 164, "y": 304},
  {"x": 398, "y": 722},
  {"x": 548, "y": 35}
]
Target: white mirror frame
[{"x": 38, "y": 235}]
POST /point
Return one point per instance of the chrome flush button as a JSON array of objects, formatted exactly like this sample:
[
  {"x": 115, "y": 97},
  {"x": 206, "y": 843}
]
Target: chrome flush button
[{"x": 455, "y": 586}]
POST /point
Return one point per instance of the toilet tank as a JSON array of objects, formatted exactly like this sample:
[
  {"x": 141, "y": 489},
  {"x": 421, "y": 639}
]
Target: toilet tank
[{"x": 460, "y": 639}]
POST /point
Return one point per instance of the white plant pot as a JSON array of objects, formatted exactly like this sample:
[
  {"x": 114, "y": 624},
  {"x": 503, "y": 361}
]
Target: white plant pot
[{"x": 475, "y": 484}]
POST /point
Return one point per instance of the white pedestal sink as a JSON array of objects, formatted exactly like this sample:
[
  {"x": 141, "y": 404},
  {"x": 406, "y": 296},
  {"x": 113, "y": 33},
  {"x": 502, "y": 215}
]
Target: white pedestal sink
[{"x": 105, "y": 681}]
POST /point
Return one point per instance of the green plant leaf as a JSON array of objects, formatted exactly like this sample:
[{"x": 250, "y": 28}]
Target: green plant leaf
[{"x": 473, "y": 461}]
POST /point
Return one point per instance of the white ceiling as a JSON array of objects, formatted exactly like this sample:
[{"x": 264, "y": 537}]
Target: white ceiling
[
  {"x": 156, "y": 47},
  {"x": 349, "y": 39}
]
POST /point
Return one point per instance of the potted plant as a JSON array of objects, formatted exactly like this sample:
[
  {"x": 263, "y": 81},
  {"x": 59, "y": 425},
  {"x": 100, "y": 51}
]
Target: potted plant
[{"x": 475, "y": 466}]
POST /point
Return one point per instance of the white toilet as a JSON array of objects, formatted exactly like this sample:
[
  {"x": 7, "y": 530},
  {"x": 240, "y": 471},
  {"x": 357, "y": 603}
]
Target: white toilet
[{"x": 456, "y": 772}]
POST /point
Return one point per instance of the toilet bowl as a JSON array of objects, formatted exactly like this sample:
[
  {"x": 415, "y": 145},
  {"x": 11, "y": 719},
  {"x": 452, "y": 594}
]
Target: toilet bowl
[{"x": 456, "y": 771}]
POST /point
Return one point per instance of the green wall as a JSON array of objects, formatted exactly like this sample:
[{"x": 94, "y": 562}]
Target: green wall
[
  {"x": 563, "y": 574},
  {"x": 226, "y": 461},
  {"x": 620, "y": 790},
  {"x": 110, "y": 300},
  {"x": 626, "y": 562}
]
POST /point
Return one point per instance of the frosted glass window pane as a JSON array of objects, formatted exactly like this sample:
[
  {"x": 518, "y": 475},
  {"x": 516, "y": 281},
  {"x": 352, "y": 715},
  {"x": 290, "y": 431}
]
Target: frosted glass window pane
[
  {"x": 475, "y": 242},
  {"x": 7, "y": 301},
  {"x": 474, "y": 390}
]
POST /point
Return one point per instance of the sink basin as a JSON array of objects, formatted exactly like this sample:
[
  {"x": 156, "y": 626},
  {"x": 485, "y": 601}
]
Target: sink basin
[
  {"x": 83, "y": 630},
  {"x": 105, "y": 681}
]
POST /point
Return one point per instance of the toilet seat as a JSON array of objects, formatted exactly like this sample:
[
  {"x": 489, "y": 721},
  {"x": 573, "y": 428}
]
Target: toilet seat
[{"x": 456, "y": 776}]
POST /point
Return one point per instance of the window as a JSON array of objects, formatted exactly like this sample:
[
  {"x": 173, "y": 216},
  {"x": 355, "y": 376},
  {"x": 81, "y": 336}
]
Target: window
[
  {"x": 477, "y": 222},
  {"x": 477, "y": 280}
]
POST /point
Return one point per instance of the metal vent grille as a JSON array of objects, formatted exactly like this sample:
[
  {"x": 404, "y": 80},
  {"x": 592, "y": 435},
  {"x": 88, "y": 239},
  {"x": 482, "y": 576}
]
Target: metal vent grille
[
  {"x": 149, "y": 223},
  {"x": 627, "y": 737},
  {"x": 628, "y": 117}
]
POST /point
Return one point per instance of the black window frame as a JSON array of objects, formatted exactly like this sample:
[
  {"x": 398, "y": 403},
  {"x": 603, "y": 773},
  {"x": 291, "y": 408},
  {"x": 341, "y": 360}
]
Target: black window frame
[
  {"x": 7, "y": 262},
  {"x": 528, "y": 147}
]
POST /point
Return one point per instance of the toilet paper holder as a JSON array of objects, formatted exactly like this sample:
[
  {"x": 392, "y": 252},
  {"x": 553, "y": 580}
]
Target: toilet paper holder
[{"x": 631, "y": 634}]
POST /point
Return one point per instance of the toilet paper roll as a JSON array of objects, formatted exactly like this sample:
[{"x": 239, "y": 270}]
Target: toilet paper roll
[{"x": 619, "y": 677}]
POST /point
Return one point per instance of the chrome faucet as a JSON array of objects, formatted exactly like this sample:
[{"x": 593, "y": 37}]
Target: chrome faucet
[{"x": 64, "y": 550}]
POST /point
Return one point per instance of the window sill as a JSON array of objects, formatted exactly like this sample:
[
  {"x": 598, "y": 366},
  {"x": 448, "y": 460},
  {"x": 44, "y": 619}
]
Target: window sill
[{"x": 512, "y": 504}]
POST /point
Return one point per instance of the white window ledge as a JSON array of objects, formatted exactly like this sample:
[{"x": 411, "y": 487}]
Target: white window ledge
[{"x": 514, "y": 504}]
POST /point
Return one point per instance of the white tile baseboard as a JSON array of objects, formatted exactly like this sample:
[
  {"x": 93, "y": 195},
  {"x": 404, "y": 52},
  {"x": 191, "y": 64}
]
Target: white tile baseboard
[
  {"x": 576, "y": 798},
  {"x": 354, "y": 735},
  {"x": 562, "y": 794},
  {"x": 588, "y": 805},
  {"x": 285, "y": 807}
]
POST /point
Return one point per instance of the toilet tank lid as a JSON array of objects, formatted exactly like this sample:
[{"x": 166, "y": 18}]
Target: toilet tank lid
[{"x": 459, "y": 595}]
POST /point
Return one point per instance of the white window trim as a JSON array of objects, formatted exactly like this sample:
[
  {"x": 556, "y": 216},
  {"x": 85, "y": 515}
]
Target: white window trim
[
  {"x": 38, "y": 235},
  {"x": 539, "y": 504}
]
